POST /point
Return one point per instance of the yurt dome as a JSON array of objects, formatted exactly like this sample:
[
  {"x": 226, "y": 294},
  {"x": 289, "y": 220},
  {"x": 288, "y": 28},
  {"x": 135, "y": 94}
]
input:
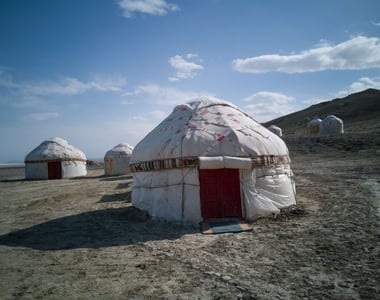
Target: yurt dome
[
  {"x": 332, "y": 125},
  {"x": 116, "y": 160},
  {"x": 209, "y": 159},
  {"x": 54, "y": 159},
  {"x": 314, "y": 127},
  {"x": 275, "y": 129}
]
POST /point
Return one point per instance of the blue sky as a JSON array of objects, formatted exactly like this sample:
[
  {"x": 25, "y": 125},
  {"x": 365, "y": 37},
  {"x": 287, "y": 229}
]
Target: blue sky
[{"x": 102, "y": 72}]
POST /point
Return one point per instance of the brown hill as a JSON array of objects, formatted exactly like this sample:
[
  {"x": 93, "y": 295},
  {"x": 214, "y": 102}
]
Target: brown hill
[{"x": 359, "y": 111}]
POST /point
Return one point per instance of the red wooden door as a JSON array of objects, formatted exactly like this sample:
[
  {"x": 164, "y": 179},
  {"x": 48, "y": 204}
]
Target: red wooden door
[
  {"x": 220, "y": 193},
  {"x": 54, "y": 170}
]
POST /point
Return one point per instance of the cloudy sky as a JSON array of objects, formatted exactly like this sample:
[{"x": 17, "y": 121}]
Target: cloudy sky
[{"x": 101, "y": 72}]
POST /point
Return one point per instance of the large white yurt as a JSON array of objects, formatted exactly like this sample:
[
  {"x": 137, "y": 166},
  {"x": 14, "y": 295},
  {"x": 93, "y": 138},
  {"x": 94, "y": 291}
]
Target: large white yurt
[
  {"x": 55, "y": 158},
  {"x": 332, "y": 125},
  {"x": 315, "y": 127},
  {"x": 275, "y": 129},
  {"x": 208, "y": 159},
  {"x": 116, "y": 160}
]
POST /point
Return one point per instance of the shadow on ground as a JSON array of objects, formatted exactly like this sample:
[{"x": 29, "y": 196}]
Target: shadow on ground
[
  {"x": 117, "y": 177},
  {"x": 116, "y": 197},
  {"x": 95, "y": 229}
]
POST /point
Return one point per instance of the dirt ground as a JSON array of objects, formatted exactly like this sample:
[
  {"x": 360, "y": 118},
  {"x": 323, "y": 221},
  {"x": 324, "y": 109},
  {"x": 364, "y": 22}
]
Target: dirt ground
[{"x": 81, "y": 239}]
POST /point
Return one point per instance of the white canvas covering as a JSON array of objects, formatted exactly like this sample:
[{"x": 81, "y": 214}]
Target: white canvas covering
[
  {"x": 275, "y": 129},
  {"x": 315, "y": 127},
  {"x": 332, "y": 125},
  {"x": 116, "y": 160},
  {"x": 72, "y": 161},
  {"x": 208, "y": 133}
]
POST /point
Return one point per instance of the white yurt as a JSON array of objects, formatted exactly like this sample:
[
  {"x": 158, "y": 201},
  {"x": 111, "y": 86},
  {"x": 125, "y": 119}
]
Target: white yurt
[
  {"x": 116, "y": 160},
  {"x": 275, "y": 129},
  {"x": 55, "y": 158},
  {"x": 315, "y": 127},
  {"x": 208, "y": 159},
  {"x": 332, "y": 125}
]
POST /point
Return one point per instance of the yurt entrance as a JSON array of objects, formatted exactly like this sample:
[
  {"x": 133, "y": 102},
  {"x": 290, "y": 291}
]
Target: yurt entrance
[
  {"x": 220, "y": 193},
  {"x": 54, "y": 170}
]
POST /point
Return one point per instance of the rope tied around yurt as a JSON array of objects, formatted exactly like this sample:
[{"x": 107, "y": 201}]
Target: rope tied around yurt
[{"x": 193, "y": 162}]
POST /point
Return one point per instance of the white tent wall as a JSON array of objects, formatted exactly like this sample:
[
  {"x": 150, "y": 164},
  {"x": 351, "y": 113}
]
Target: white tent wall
[
  {"x": 174, "y": 194},
  {"x": 36, "y": 170},
  {"x": 116, "y": 165},
  {"x": 332, "y": 125},
  {"x": 73, "y": 169},
  {"x": 68, "y": 169},
  {"x": 171, "y": 194},
  {"x": 266, "y": 191}
]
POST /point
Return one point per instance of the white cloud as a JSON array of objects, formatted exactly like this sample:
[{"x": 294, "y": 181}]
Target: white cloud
[
  {"x": 265, "y": 106},
  {"x": 357, "y": 53},
  {"x": 151, "y": 7},
  {"x": 41, "y": 116},
  {"x": 360, "y": 85},
  {"x": 376, "y": 23},
  {"x": 157, "y": 114},
  {"x": 106, "y": 83},
  {"x": 65, "y": 86},
  {"x": 164, "y": 95},
  {"x": 185, "y": 66},
  {"x": 126, "y": 102}
]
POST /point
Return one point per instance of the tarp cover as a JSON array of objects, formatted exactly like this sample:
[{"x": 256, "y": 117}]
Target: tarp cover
[
  {"x": 275, "y": 129},
  {"x": 332, "y": 125},
  {"x": 315, "y": 126},
  {"x": 219, "y": 135},
  {"x": 71, "y": 161},
  {"x": 116, "y": 160},
  {"x": 208, "y": 127},
  {"x": 123, "y": 149},
  {"x": 55, "y": 149}
]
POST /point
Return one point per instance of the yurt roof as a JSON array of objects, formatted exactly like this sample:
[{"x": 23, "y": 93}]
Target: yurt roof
[
  {"x": 55, "y": 149},
  {"x": 273, "y": 127},
  {"x": 208, "y": 126},
  {"x": 120, "y": 149},
  {"x": 332, "y": 118},
  {"x": 315, "y": 121}
]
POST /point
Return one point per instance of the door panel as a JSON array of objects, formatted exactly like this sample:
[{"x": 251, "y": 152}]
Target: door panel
[
  {"x": 54, "y": 170},
  {"x": 220, "y": 193},
  {"x": 230, "y": 184}
]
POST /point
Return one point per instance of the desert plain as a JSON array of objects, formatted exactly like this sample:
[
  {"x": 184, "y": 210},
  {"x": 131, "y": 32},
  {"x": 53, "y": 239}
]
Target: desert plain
[{"x": 81, "y": 238}]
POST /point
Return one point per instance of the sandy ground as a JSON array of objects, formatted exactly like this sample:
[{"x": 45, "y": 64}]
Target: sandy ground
[{"x": 81, "y": 239}]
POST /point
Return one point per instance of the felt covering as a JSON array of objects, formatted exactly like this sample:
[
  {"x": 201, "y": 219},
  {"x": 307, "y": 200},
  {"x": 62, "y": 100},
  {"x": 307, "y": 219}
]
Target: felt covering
[
  {"x": 116, "y": 160},
  {"x": 209, "y": 133}
]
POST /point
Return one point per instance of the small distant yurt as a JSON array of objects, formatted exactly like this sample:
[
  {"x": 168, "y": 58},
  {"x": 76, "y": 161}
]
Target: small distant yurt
[
  {"x": 314, "y": 127},
  {"x": 332, "y": 125},
  {"x": 116, "y": 160},
  {"x": 209, "y": 159},
  {"x": 275, "y": 129},
  {"x": 55, "y": 158}
]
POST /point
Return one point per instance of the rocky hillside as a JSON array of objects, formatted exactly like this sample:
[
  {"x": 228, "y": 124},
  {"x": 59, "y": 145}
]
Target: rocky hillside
[{"x": 359, "y": 111}]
